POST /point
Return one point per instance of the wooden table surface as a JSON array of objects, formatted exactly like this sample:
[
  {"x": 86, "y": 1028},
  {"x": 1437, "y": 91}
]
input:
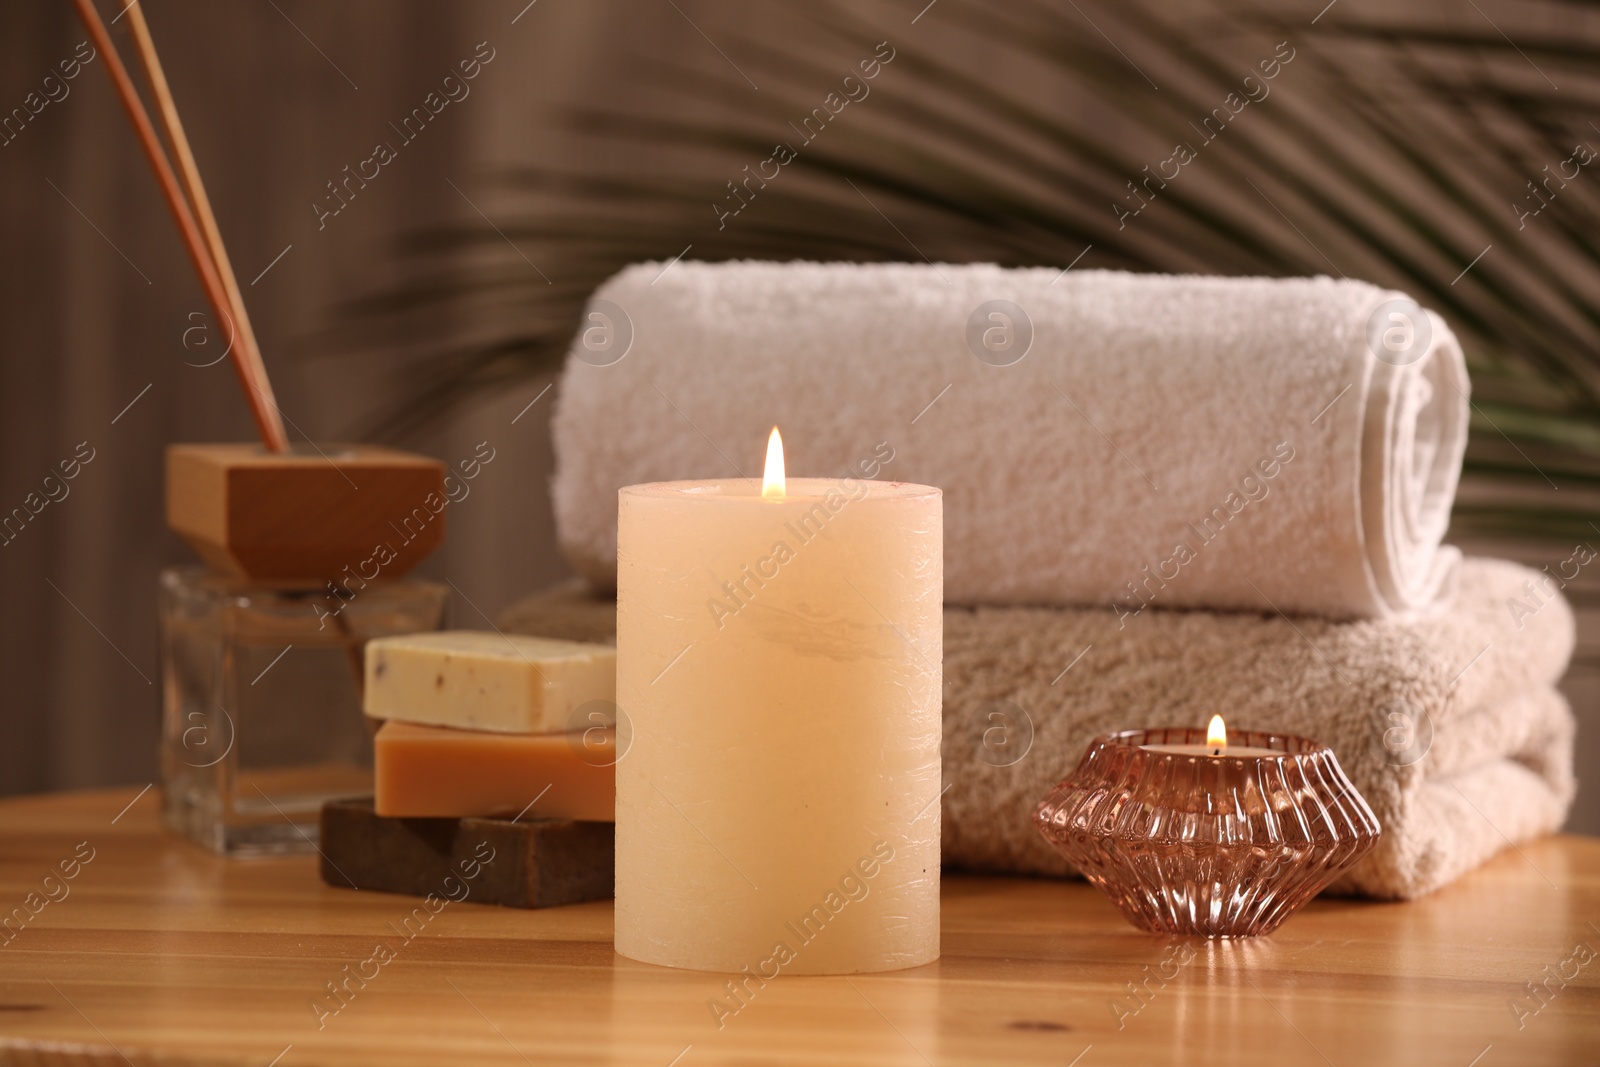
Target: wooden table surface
[{"x": 157, "y": 952}]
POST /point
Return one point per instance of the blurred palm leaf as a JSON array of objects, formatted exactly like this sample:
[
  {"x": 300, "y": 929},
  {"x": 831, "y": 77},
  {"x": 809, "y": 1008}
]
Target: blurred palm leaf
[{"x": 1389, "y": 147}]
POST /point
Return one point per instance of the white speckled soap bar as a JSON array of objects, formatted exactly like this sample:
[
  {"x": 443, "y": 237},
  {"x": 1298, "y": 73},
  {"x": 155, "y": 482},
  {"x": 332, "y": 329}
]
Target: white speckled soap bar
[{"x": 488, "y": 681}]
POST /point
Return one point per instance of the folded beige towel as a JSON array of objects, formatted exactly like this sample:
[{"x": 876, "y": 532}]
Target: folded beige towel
[{"x": 1448, "y": 723}]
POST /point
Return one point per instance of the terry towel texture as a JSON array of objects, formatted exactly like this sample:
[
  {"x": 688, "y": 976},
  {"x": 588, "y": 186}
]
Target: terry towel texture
[
  {"x": 1448, "y": 722},
  {"x": 1172, "y": 440}
]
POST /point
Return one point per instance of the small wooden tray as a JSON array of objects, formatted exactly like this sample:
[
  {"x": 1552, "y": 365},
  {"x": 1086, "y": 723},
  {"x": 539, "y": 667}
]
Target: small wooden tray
[
  {"x": 516, "y": 863},
  {"x": 306, "y": 517}
]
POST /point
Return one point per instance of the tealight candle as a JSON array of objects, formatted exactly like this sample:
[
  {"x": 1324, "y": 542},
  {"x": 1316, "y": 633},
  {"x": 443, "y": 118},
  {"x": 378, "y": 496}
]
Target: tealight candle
[
  {"x": 1185, "y": 838},
  {"x": 1216, "y": 745},
  {"x": 778, "y": 663}
]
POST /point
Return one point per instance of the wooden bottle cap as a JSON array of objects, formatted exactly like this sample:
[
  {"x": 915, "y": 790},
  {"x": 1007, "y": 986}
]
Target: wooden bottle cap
[{"x": 306, "y": 517}]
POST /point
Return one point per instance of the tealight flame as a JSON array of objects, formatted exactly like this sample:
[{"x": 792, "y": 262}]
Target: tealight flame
[
  {"x": 1217, "y": 736},
  {"x": 773, "y": 483}
]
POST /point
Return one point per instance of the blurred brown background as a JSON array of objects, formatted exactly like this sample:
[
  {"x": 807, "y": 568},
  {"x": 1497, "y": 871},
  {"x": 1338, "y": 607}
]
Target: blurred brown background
[
  {"x": 278, "y": 96},
  {"x": 97, "y": 295}
]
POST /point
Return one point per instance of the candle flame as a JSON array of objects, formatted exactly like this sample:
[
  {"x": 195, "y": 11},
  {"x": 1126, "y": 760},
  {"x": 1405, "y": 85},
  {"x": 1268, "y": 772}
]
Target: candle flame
[
  {"x": 1217, "y": 736},
  {"x": 773, "y": 483}
]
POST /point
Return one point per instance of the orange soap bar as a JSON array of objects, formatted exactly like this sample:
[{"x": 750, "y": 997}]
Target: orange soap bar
[{"x": 437, "y": 771}]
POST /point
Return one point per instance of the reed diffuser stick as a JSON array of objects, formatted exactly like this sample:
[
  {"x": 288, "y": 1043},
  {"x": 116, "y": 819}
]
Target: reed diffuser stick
[
  {"x": 258, "y": 391},
  {"x": 167, "y": 109}
]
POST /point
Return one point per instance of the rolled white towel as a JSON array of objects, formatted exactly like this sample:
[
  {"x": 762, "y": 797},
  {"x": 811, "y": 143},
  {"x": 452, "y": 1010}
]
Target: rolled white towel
[{"x": 1101, "y": 437}]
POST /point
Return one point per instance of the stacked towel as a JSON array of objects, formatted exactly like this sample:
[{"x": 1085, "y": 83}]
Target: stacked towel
[
  {"x": 1282, "y": 453},
  {"x": 1100, "y": 437},
  {"x": 1448, "y": 722}
]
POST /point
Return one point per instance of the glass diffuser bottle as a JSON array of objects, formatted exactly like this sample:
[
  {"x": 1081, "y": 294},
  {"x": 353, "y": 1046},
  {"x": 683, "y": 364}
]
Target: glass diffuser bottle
[{"x": 261, "y": 646}]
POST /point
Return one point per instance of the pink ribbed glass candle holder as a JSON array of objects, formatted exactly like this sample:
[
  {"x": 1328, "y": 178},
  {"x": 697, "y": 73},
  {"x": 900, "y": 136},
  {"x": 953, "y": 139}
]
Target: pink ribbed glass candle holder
[{"x": 1219, "y": 846}]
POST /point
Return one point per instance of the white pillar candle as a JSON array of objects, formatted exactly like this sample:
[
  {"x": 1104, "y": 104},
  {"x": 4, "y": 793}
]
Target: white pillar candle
[{"x": 778, "y": 659}]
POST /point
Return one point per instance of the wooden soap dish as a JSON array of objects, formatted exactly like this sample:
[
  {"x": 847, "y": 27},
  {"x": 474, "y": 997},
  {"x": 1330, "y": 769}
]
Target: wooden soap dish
[{"x": 306, "y": 517}]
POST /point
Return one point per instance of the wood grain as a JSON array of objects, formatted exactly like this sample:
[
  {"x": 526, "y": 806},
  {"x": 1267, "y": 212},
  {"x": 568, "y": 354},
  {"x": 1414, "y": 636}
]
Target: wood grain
[{"x": 165, "y": 954}]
